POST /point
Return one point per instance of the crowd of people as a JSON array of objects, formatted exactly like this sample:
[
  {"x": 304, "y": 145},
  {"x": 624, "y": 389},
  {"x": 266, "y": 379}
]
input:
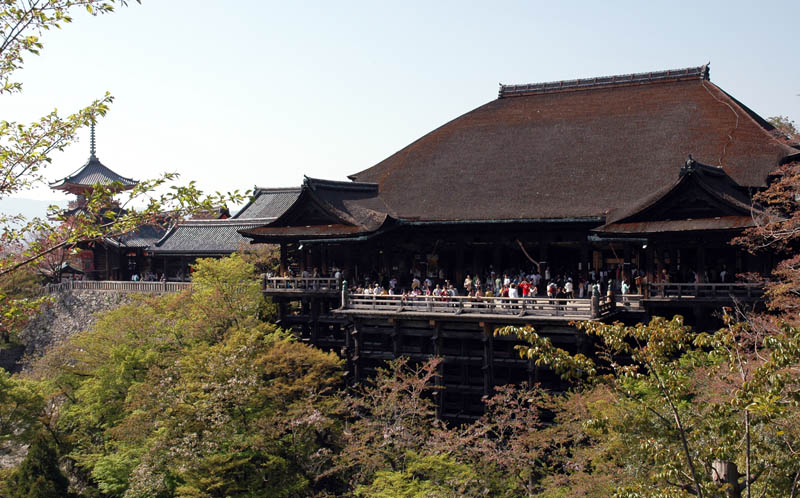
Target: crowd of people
[
  {"x": 511, "y": 284},
  {"x": 518, "y": 283}
]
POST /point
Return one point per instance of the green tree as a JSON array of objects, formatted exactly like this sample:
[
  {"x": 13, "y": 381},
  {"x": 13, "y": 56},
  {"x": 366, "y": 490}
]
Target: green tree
[
  {"x": 38, "y": 476},
  {"x": 25, "y": 153},
  {"x": 681, "y": 401},
  {"x": 192, "y": 395},
  {"x": 785, "y": 126},
  {"x": 431, "y": 476}
]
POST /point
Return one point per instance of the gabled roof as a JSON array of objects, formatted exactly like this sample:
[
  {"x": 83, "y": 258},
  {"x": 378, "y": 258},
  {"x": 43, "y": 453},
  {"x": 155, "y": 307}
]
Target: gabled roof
[
  {"x": 325, "y": 208},
  {"x": 268, "y": 203},
  {"x": 702, "y": 198},
  {"x": 144, "y": 236},
  {"x": 92, "y": 173},
  {"x": 204, "y": 237},
  {"x": 575, "y": 149}
]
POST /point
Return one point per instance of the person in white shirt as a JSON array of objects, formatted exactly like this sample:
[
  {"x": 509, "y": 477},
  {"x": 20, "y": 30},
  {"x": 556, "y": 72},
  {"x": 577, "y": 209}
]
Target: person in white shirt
[{"x": 568, "y": 289}]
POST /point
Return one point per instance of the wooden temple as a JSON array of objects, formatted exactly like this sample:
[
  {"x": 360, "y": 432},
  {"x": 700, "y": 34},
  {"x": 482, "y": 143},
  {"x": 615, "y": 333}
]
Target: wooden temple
[
  {"x": 640, "y": 178},
  {"x": 647, "y": 175}
]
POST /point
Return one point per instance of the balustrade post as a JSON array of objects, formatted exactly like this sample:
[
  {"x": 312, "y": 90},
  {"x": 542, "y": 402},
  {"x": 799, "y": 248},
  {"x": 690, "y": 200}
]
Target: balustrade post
[
  {"x": 263, "y": 282},
  {"x": 344, "y": 295},
  {"x": 595, "y": 309}
]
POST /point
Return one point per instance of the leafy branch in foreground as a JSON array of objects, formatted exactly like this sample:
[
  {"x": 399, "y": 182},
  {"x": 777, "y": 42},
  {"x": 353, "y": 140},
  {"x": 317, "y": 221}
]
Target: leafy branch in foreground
[{"x": 685, "y": 400}]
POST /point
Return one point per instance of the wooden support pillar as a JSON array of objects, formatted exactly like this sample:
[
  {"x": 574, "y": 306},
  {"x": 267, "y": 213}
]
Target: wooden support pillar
[
  {"x": 585, "y": 261},
  {"x": 108, "y": 264},
  {"x": 283, "y": 267},
  {"x": 701, "y": 262},
  {"x": 396, "y": 338},
  {"x": 358, "y": 343},
  {"x": 315, "y": 312},
  {"x": 283, "y": 309},
  {"x": 459, "y": 270},
  {"x": 626, "y": 267},
  {"x": 650, "y": 264},
  {"x": 437, "y": 352},
  {"x": 497, "y": 259},
  {"x": 533, "y": 372},
  {"x": 544, "y": 250},
  {"x": 488, "y": 359},
  {"x": 476, "y": 262},
  {"x": 305, "y": 310}
]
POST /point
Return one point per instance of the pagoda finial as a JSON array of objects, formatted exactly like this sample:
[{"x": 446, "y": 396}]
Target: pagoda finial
[{"x": 91, "y": 141}]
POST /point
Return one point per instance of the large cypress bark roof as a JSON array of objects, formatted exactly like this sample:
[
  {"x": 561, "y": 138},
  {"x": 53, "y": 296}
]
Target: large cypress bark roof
[{"x": 575, "y": 149}]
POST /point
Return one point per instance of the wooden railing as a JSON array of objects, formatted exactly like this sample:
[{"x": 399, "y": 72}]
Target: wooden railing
[
  {"x": 577, "y": 309},
  {"x": 706, "y": 291},
  {"x": 300, "y": 284},
  {"x": 117, "y": 286}
]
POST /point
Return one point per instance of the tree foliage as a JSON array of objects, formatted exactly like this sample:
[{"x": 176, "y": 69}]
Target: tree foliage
[{"x": 39, "y": 475}]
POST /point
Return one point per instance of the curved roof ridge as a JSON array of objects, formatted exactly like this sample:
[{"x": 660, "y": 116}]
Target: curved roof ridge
[
  {"x": 314, "y": 183},
  {"x": 94, "y": 172},
  {"x": 688, "y": 73}
]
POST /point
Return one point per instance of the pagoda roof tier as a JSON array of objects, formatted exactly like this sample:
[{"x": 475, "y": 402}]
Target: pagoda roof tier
[{"x": 92, "y": 173}]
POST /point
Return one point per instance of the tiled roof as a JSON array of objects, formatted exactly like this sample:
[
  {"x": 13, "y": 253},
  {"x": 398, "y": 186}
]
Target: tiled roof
[
  {"x": 143, "y": 236},
  {"x": 326, "y": 208},
  {"x": 93, "y": 173},
  {"x": 268, "y": 203},
  {"x": 570, "y": 154},
  {"x": 212, "y": 237}
]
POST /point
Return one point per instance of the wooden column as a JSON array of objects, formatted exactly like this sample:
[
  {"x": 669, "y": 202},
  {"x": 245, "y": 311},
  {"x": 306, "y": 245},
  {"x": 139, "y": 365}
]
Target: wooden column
[
  {"x": 650, "y": 264},
  {"x": 283, "y": 268},
  {"x": 358, "y": 343},
  {"x": 626, "y": 267},
  {"x": 701, "y": 262},
  {"x": 436, "y": 338},
  {"x": 497, "y": 259},
  {"x": 544, "y": 250},
  {"x": 396, "y": 338},
  {"x": 488, "y": 359},
  {"x": 315, "y": 312},
  {"x": 584, "y": 273},
  {"x": 459, "y": 270}
]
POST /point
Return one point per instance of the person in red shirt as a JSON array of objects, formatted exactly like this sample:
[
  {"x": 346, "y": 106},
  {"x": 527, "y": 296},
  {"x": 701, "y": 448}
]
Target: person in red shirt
[{"x": 526, "y": 287}]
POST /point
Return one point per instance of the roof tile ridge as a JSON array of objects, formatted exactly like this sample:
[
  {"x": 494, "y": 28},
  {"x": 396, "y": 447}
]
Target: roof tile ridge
[
  {"x": 312, "y": 183},
  {"x": 700, "y": 73},
  {"x": 257, "y": 189}
]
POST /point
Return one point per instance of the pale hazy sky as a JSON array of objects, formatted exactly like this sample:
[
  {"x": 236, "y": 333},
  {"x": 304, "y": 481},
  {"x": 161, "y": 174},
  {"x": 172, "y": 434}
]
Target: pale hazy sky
[{"x": 240, "y": 93}]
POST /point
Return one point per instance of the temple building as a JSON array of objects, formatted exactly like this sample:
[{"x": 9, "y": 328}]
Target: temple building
[
  {"x": 651, "y": 171},
  {"x": 640, "y": 178},
  {"x": 166, "y": 248}
]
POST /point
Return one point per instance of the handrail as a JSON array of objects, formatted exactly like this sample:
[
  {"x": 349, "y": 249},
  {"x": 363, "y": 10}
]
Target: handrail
[
  {"x": 117, "y": 286},
  {"x": 300, "y": 283},
  {"x": 579, "y": 308},
  {"x": 705, "y": 290}
]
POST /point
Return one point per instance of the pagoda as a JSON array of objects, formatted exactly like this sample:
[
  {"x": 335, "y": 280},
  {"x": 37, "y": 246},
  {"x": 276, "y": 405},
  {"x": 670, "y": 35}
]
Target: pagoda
[
  {"x": 91, "y": 174},
  {"x": 107, "y": 258}
]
